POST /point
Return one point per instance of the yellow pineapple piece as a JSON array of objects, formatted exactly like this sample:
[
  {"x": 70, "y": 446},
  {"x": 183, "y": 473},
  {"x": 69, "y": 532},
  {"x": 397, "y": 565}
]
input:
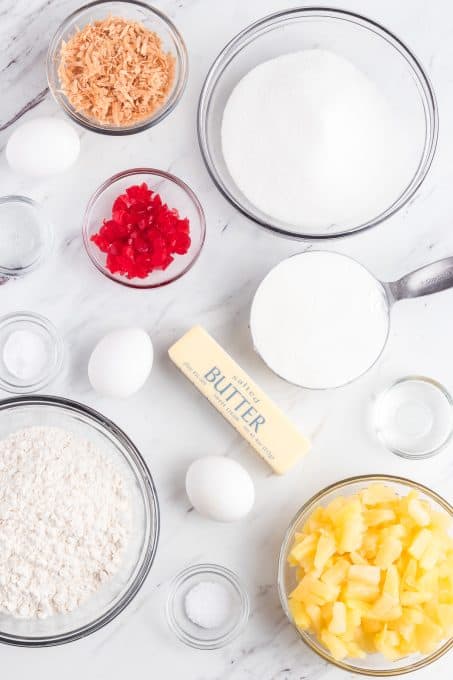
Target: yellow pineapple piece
[
  {"x": 392, "y": 583},
  {"x": 337, "y": 573},
  {"x": 419, "y": 512},
  {"x": 303, "y": 548},
  {"x": 428, "y": 636},
  {"x": 387, "y": 642},
  {"x": 357, "y": 558},
  {"x": 377, "y": 493},
  {"x": 355, "y": 651},
  {"x": 420, "y": 543},
  {"x": 299, "y": 614},
  {"x": 388, "y": 552},
  {"x": 379, "y": 516},
  {"x": 371, "y": 625},
  {"x": 367, "y": 574},
  {"x": 386, "y": 608},
  {"x": 334, "y": 644},
  {"x": 430, "y": 557},
  {"x": 445, "y": 618},
  {"x": 409, "y": 577},
  {"x": 357, "y": 590},
  {"x": 314, "y": 614},
  {"x": 325, "y": 548},
  {"x": 338, "y": 624}
]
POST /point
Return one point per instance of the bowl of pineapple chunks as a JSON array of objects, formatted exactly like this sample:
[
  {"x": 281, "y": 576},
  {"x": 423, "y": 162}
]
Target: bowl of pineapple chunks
[{"x": 366, "y": 575}]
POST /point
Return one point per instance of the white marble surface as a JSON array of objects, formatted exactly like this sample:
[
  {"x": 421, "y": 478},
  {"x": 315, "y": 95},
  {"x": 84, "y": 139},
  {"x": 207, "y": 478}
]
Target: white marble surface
[{"x": 169, "y": 422}]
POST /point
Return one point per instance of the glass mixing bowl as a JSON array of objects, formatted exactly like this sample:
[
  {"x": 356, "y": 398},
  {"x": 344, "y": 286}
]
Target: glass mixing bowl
[
  {"x": 374, "y": 664},
  {"x": 375, "y": 51},
  {"x": 175, "y": 193},
  {"x": 153, "y": 20},
  {"x": 104, "y": 605}
]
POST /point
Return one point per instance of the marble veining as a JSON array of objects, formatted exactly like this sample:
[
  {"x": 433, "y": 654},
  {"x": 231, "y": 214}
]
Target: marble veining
[{"x": 217, "y": 294}]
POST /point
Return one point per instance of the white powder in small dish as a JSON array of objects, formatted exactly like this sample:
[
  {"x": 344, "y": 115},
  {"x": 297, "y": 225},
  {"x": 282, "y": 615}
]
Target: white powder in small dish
[
  {"x": 208, "y": 604},
  {"x": 25, "y": 355},
  {"x": 64, "y": 521},
  {"x": 311, "y": 141},
  {"x": 319, "y": 319}
]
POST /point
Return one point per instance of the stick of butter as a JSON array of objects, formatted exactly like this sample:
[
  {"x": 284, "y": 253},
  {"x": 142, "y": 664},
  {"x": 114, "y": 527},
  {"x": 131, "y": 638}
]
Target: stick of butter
[{"x": 230, "y": 390}]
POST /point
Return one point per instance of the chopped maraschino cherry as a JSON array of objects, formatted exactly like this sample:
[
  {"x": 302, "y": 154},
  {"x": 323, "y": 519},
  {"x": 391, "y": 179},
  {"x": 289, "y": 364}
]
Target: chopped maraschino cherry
[{"x": 143, "y": 234}]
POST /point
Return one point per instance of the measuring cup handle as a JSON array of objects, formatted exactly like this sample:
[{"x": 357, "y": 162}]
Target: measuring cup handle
[{"x": 432, "y": 278}]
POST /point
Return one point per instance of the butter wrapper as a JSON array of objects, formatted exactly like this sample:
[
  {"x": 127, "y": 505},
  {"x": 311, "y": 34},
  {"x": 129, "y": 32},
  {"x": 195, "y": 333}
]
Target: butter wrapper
[{"x": 241, "y": 402}]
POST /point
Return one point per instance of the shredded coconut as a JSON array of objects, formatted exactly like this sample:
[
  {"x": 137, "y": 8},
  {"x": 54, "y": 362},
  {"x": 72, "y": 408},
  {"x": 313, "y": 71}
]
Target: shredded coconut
[
  {"x": 116, "y": 71},
  {"x": 64, "y": 519}
]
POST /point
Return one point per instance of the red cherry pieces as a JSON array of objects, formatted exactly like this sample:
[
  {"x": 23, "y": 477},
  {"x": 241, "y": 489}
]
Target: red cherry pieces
[{"x": 142, "y": 235}]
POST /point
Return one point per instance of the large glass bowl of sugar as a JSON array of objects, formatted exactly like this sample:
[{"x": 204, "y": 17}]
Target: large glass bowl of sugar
[{"x": 371, "y": 186}]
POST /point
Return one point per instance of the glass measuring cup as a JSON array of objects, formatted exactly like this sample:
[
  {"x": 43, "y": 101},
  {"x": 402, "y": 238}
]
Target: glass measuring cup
[
  {"x": 25, "y": 236},
  {"x": 292, "y": 343}
]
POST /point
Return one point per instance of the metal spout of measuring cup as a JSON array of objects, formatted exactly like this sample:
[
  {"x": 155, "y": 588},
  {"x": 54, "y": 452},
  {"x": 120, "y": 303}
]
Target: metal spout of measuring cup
[{"x": 432, "y": 278}]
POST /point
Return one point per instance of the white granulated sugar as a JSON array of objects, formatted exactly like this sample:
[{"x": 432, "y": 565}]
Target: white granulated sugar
[
  {"x": 208, "y": 604},
  {"x": 312, "y": 142},
  {"x": 64, "y": 521},
  {"x": 319, "y": 319}
]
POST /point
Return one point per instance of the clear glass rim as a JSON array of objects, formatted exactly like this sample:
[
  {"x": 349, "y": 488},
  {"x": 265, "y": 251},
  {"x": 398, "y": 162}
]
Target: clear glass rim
[
  {"x": 247, "y": 35},
  {"x": 45, "y": 229},
  {"x": 429, "y": 453},
  {"x": 169, "y": 105},
  {"x": 309, "y": 506},
  {"x": 153, "y": 173},
  {"x": 207, "y": 569},
  {"x": 58, "y": 351},
  {"x": 152, "y": 504}
]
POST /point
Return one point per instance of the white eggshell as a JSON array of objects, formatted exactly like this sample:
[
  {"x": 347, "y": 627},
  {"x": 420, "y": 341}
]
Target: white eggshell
[
  {"x": 121, "y": 362},
  {"x": 42, "y": 147},
  {"x": 220, "y": 488}
]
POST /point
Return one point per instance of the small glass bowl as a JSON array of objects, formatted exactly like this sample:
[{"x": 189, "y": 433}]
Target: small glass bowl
[
  {"x": 153, "y": 20},
  {"x": 382, "y": 56},
  {"x": 172, "y": 191},
  {"x": 25, "y": 236},
  {"x": 413, "y": 417},
  {"x": 375, "y": 665},
  {"x": 192, "y": 634},
  {"x": 52, "y": 343}
]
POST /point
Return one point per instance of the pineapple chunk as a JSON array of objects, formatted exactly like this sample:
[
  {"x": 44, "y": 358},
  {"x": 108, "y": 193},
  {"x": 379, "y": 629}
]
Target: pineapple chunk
[
  {"x": 386, "y": 608},
  {"x": 419, "y": 512},
  {"x": 388, "y": 552},
  {"x": 306, "y": 546},
  {"x": 337, "y": 623},
  {"x": 379, "y": 516},
  {"x": 365, "y": 574},
  {"x": 324, "y": 550},
  {"x": 420, "y": 543},
  {"x": 314, "y": 613},
  {"x": 334, "y": 644},
  {"x": 337, "y": 573},
  {"x": 377, "y": 493},
  {"x": 299, "y": 614},
  {"x": 392, "y": 583}
]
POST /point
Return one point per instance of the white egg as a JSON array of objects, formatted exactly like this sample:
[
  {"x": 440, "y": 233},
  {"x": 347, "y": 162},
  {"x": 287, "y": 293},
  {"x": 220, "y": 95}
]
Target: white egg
[
  {"x": 220, "y": 488},
  {"x": 121, "y": 362},
  {"x": 42, "y": 147}
]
